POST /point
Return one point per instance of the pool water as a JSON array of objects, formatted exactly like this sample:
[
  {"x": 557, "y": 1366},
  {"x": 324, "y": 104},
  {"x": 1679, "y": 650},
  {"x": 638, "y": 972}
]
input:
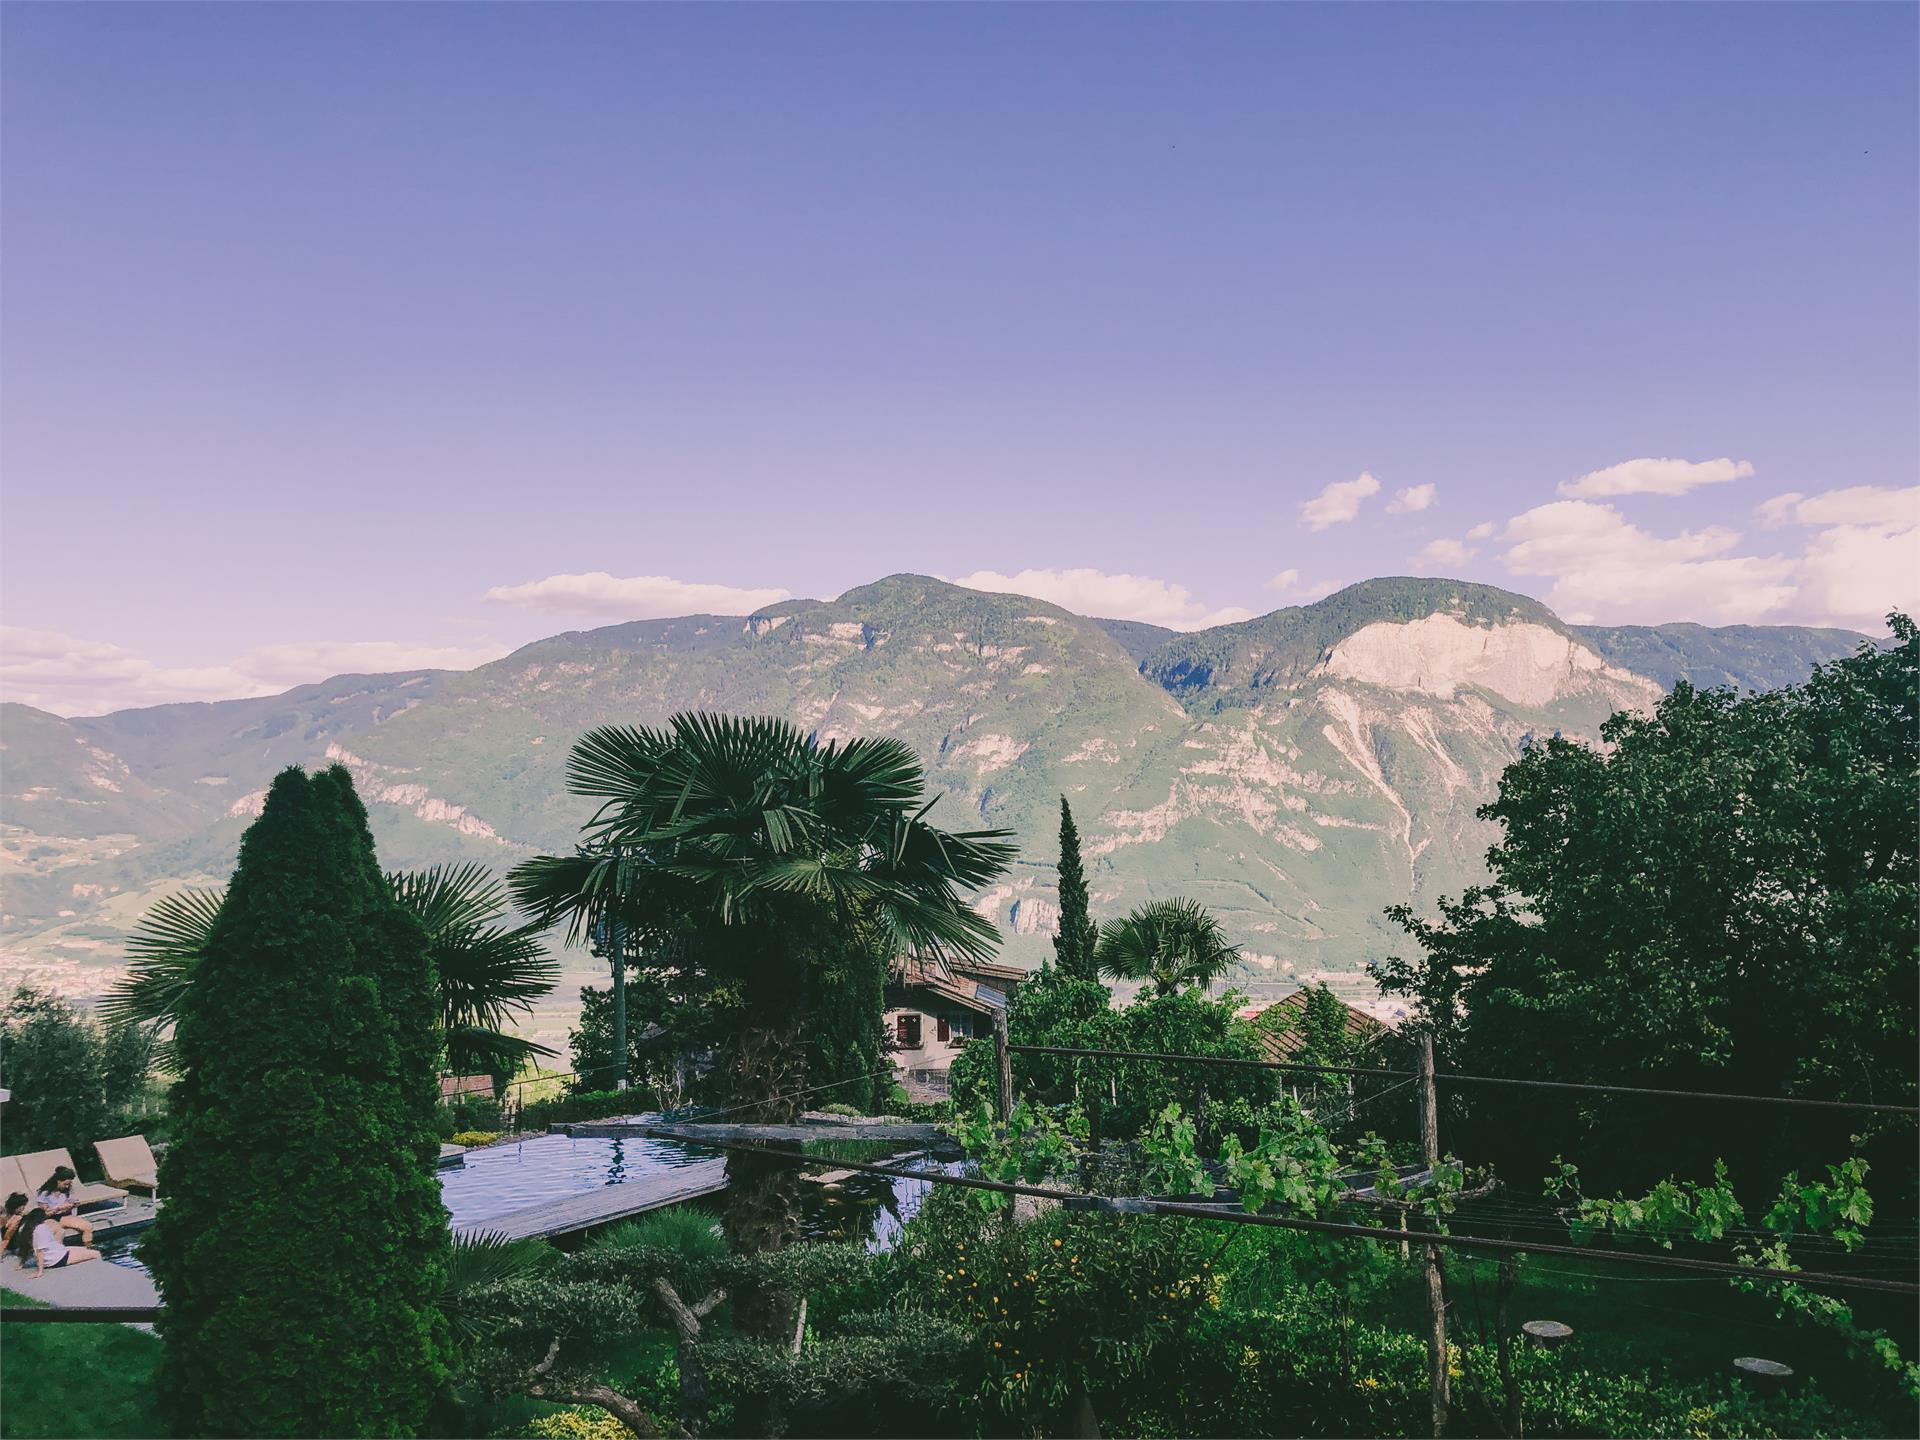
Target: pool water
[
  {"x": 495, "y": 1181},
  {"x": 873, "y": 1208}
]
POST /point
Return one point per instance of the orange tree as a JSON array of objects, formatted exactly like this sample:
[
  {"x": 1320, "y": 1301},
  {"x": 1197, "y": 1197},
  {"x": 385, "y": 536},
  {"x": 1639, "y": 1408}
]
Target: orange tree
[{"x": 1061, "y": 1305}]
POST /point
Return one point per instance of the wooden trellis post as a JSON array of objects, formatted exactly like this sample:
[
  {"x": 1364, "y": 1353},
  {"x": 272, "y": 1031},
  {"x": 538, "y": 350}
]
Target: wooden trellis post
[
  {"x": 1436, "y": 1284},
  {"x": 1002, "y": 1066}
]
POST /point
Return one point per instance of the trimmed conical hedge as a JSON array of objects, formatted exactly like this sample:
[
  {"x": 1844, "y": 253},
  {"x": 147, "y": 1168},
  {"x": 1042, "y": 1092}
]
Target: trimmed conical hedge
[{"x": 301, "y": 1248}]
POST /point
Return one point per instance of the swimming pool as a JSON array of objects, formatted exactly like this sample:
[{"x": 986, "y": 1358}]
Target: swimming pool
[{"x": 496, "y": 1180}]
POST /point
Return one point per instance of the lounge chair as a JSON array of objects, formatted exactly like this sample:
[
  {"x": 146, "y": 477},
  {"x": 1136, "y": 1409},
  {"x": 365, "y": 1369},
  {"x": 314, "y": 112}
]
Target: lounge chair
[
  {"x": 12, "y": 1181},
  {"x": 129, "y": 1161},
  {"x": 37, "y": 1168}
]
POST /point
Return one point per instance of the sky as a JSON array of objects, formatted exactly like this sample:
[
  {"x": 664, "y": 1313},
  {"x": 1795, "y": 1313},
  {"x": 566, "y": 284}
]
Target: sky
[{"x": 342, "y": 338}]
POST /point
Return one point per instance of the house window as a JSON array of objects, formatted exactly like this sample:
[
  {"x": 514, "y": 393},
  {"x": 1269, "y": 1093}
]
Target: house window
[
  {"x": 906, "y": 1031},
  {"x": 942, "y": 1029}
]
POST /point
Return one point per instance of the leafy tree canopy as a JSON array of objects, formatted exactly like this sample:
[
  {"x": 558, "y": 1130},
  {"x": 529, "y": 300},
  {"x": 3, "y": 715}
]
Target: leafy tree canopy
[
  {"x": 71, "y": 1080},
  {"x": 1724, "y": 896}
]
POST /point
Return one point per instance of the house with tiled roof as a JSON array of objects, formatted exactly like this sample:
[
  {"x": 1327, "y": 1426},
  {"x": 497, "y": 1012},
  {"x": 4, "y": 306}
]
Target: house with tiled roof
[
  {"x": 934, "y": 1006},
  {"x": 1283, "y": 1030}
]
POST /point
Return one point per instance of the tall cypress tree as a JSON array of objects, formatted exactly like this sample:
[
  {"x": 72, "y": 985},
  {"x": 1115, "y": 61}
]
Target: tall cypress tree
[
  {"x": 303, "y": 1247},
  {"x": 1073, "y": 943}
]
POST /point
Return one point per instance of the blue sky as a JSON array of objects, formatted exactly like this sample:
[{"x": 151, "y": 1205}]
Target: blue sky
[{"x": 321, "y": 323}]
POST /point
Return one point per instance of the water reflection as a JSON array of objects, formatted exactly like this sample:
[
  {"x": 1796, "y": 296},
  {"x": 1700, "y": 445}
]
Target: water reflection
[{"x": 874, "y": 1209}]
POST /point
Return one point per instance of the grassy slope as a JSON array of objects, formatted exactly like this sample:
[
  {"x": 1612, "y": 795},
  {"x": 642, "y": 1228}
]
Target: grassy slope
[{"x": 76, "y": 1380}]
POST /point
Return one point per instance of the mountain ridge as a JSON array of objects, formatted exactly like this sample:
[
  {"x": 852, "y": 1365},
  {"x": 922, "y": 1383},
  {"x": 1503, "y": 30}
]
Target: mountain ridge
[{"x": 1316, "y": 764}]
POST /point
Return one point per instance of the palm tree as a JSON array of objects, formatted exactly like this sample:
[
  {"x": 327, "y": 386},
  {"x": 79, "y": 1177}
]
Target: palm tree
[
  {"x": 1166, "y": 944},
  {"x": 757, "y": 844},
  {"x": 487, "y": 971}
]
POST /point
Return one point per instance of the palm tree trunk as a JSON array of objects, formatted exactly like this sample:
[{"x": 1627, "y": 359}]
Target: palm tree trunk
[{"x": 766, "y": 1065}]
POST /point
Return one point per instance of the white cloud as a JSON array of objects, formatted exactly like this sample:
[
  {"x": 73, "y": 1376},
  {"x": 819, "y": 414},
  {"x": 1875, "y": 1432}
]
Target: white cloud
[
  {"x": 1285, "y": 580},
  {"x": 1446, "y": 552},
  {"x": 71, "y": 676},
  {"x": 1484, "y": 530},
  {"x": 1114, "y": 597},
  {"x": 1604, "y": 567},
  {"x": 1654, "y": 477},
  {"x": 1860, "y": 557},
  {"x": 1338, "y": 503},
  {"x": 1414, "y": 497},
  {"x": 634, "y": 597},
  {"x": 1876, "y": 505}
]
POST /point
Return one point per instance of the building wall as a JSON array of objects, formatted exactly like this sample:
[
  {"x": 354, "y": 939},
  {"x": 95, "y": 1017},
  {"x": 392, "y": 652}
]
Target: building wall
[{"x": 924, "y": 1066}]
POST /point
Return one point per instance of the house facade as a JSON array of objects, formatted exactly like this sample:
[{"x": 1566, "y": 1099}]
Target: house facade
[{"x": 934, "y": 1007}]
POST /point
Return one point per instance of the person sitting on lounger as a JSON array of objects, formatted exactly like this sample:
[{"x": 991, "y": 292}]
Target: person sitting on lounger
[
  {"x": 16, "y": 1212},
  {"x": 56, "y": 1198},
  {"x": 49, "y": 1249}
]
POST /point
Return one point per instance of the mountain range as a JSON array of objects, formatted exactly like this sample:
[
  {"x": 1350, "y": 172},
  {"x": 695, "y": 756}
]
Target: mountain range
[{"x": 1296, "y": 772}]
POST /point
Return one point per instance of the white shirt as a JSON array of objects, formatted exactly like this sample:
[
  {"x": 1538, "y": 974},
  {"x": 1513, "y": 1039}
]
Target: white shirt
[{"x": 49, "y": 1242}]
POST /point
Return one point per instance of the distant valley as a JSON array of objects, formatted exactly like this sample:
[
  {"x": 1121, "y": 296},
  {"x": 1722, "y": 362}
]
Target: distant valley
[{"x": 1296, "y": 772}]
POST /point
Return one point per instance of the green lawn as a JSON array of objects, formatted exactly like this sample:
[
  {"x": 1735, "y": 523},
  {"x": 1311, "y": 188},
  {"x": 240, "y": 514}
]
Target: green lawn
[{"x": 76, "y": 1380}]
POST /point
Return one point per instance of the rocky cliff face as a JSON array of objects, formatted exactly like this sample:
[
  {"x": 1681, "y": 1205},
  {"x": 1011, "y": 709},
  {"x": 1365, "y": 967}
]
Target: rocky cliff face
[{"x": 1297, "y": 773}]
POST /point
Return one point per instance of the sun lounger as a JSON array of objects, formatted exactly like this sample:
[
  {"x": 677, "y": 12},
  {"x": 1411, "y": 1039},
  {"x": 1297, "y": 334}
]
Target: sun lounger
[
  {"x": 129, "y": 1161},
  {"x": 37, "y": 1168},
  {"x": 12, "y": 1181}
]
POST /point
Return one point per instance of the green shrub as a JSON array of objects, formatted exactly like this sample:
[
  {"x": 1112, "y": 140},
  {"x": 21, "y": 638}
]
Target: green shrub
[
  {"x": 309, "y": 1052},
  {"x": 468, "y": 1112},
  {"x": 73, "y": 1081},
  {"x": 588, "y": 1105},
  {"x": 577, "y": 1422},
  {"x": 471, "y": 1138},
  {"x": 690, "y": 1235}
]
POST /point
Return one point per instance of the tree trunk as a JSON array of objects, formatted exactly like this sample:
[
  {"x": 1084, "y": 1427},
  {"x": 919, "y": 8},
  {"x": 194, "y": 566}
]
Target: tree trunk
[
  {"x": 767, "y": 1067},
  {"x": 693, "y": 1370},
  {"x": 629, "y": 1413},
  {"x": 1509, "y": 1382},
  {"x": 1084, "y": 1424}
]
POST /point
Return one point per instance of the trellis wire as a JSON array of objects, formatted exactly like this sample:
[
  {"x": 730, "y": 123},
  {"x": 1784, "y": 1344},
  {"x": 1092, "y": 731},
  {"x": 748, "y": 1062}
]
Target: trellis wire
[
  {"x": 1379, "y": 1235},
  {"x": 1458, "y": 1077}
]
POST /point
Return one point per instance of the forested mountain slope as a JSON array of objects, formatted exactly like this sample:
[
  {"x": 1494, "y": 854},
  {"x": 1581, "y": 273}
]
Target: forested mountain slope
[{"x": 1296, "y": 772}]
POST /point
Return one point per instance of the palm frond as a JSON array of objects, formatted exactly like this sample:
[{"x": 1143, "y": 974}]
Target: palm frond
[
  {"x": 450, "y": 897},
  {"x": 479, "y": 1261},
  {"x": 163, "y": 953},
  {"x": 1168, "y": 943},
  {"x": 477, "y": 1050}
]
